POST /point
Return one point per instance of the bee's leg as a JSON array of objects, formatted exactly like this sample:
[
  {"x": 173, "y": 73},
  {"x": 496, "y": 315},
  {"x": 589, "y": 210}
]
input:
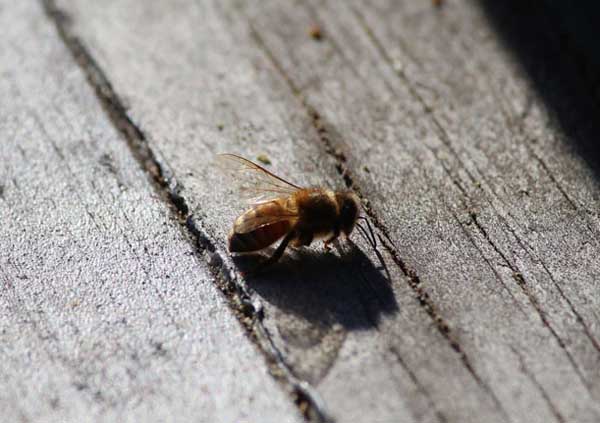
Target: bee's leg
[
  {"x": 329, "y": 240},
  {"x": 278, "y": 252},
  {"x": 304, "y": 239}
]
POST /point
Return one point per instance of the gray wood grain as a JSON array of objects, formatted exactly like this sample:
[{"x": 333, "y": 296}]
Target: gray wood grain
[
  {"x": 106, "y": 312},
  {"x": 491, "y": 309},
  {"x": 442, "y": 92}
]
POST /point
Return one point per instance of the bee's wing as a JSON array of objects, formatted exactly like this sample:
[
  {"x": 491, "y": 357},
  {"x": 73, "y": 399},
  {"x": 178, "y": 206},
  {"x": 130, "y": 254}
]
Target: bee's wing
[
  {"x": 253, "y": 182},
  {"x": 264, "y": 214}
]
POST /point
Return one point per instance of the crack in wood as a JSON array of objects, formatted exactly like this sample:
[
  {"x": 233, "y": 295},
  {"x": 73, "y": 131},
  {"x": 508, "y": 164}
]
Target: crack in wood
[
  {"x": 398, "y": 357},
  {"x": 517, "y": 121},
  {"x": 248, "y": 313},
  {"x": 559, "y": 417},
  {"x": 521, "y": 282},
  {"x": 469, "y": 235},
  {"x": 580, "y": 320},
  {"x": 566, "y": 196},
  {"x": 427, "y": 110}
]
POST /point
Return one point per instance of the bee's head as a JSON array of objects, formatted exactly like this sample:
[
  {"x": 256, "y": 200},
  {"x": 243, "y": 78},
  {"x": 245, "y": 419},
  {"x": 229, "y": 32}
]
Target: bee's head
[{"x": 349, "y": 209}]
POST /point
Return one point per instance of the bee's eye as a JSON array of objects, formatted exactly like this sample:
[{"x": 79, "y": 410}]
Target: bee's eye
[{"x": 348, "y": 210}]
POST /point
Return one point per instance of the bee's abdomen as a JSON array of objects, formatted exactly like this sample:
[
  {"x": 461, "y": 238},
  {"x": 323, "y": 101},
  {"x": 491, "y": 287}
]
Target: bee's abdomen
[{"x": 259, "y": 238}]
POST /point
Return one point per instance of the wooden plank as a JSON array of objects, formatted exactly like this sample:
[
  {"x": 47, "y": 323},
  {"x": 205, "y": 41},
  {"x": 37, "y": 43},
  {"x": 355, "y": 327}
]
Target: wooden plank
[
  {"x": 337, "y": 324},
  {"x": 537, "y": 186},
  {"x": 478, "y": 322},
  {"x": 461, "y": 98},
  {"x": 442, "y": 90},
  {"x": 106, "y": 311}
]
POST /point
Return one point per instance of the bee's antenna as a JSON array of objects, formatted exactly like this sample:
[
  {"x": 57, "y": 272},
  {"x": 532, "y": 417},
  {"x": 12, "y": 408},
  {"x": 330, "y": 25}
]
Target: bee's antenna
[
  {"x": 372, "y": 240},
  {"x": 363, "y": 232}
]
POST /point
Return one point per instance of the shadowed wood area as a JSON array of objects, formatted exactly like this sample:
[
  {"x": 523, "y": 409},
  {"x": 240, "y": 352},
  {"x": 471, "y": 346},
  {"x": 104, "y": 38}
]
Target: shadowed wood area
[{"x": 472, "y": 150}]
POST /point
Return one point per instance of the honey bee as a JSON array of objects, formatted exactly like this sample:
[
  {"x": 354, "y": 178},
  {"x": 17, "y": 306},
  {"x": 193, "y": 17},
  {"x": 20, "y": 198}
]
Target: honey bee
[{"x": 292, "y": 213}]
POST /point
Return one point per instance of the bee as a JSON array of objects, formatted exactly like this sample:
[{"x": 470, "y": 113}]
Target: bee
[{"x": 294, "y": 214}]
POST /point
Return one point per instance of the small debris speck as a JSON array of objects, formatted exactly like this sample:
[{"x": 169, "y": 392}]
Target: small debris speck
[
  {"x": 220, "y": 126},
  {"x": 277, "y": 372},
  {"x": 397, "y": 65},
  {"x": 264, "y": 159},
  {"x": 438, "y": 3},
  {"x": 366, "y": 169},
  {"x": 315, "y": 32}
]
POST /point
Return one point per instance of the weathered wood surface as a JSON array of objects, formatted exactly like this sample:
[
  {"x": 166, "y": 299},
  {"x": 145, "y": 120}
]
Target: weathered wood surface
[
  {"x": 106, "y": 312},
  {"x": 470, "y": 155},
  {"x": 481, "y": 195}
]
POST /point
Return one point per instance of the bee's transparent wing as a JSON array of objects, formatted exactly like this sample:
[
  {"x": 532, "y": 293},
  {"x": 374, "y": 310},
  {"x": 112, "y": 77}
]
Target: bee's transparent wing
[
  {"x": 250, "y": 221},
  {"x": 253, "y": 182}
]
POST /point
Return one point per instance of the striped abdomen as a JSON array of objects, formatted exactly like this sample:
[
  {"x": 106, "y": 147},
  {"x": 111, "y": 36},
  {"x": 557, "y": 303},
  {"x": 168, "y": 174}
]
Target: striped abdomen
[
  {"x": 259, "y": 238},
  {"x": 261, "y": 226}
]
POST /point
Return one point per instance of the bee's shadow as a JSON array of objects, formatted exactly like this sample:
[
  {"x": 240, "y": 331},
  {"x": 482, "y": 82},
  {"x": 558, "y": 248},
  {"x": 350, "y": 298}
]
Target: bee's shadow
[{"x": 324, "y": 288}]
